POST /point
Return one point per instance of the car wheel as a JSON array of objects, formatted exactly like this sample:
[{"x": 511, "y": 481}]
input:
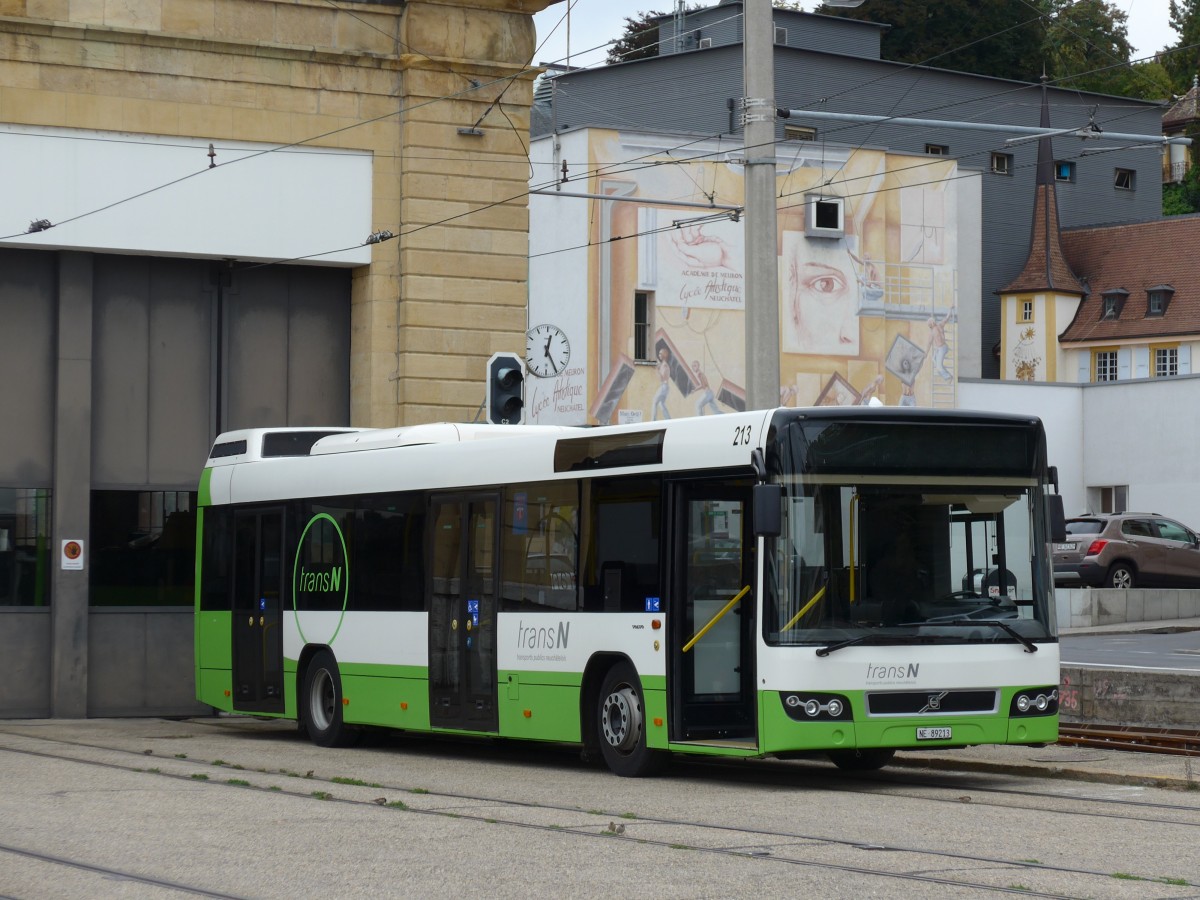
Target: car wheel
[{"x": 1120, "y": 575}]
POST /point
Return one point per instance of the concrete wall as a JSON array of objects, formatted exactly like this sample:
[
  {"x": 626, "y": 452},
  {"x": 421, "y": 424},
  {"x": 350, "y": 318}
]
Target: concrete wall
[
  {"x": 25, "y": 649},
  {"x": 140, "y": 663},
  {"x": 1136, "y": 433},
  {"x": 1087, "y": 607},
  {"x": 1128, "y": 697}
]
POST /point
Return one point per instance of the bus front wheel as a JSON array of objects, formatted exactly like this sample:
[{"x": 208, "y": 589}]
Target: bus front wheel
[
  {"x": 621, "y": 725},
  {"x": 321, "y": 704}
]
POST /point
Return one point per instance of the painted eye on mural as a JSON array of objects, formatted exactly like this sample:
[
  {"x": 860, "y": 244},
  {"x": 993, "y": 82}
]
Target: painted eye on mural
[{"x": 826, "y": 284}]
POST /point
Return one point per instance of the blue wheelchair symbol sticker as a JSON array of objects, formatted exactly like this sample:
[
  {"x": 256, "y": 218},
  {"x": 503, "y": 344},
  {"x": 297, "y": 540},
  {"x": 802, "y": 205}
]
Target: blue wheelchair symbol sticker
[{"x": 262, "y": 604}]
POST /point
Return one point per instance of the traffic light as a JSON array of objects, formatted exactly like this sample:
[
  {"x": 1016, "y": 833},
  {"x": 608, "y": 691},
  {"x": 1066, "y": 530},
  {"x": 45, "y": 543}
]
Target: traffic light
[{"x": 505, "y": 389}]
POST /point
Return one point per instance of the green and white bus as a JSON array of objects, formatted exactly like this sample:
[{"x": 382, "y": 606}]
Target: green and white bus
[{"x": 845, "y": 581}]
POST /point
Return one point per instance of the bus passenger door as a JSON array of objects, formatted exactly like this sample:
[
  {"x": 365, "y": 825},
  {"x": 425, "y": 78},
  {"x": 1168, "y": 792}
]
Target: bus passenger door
[
  {"x": 713, "y": 691},
  {"x": 258, "y": 611},
  {"x": 462, "y": 613}
]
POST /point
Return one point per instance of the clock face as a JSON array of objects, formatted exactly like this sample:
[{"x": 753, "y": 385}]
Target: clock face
[{"x": 547, "y": 350}]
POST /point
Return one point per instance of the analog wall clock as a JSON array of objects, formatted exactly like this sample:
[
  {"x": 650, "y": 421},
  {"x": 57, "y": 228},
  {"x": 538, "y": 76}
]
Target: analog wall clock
[{"x": 547, "y": 350}]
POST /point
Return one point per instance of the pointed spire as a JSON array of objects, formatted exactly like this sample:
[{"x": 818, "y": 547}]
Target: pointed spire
[{"x": 1046, "y": 267}]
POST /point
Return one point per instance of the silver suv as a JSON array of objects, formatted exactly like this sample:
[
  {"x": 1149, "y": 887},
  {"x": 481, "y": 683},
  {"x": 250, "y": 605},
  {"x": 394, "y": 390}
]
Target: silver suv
[{"x": 1124, "y": 550}]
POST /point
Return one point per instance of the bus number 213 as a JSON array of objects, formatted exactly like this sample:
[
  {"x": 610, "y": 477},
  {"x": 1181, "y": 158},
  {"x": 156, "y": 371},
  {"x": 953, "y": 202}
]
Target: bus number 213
[{"x": 741, "y": 435}]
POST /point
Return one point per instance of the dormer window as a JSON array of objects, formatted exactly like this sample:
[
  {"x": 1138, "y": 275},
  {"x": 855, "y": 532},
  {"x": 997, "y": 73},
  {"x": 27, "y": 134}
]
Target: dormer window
[
  {"x": 1157, "y": 299},
  {"x": 1114, "y": 301}
]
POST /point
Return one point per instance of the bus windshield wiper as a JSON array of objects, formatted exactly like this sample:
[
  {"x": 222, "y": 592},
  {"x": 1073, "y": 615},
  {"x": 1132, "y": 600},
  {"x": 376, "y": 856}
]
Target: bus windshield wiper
[
  {"x": 880, "y": 639},
  {"x": 1030, "y": 646}
]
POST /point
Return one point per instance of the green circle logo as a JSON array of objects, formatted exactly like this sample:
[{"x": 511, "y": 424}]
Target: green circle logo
[{"x": 321, "y": 572}]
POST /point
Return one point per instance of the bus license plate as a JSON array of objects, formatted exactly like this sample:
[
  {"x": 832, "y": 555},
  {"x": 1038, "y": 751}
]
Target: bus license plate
[{"x": 933, "y": 734}]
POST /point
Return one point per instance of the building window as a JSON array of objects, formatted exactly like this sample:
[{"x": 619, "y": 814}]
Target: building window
[
  {"x": 1027, "y": 311},
  {"x": 1157, "y": 299},
  {"x": 1113, "y": 303},
  {"x": 1002, "y": 163},
  {"x": 1114, "y": 499},
  {"x": 937, "y": 149},
  {"x": 24, "y": 547},
  {"x": 1064, "y": 170},
  {"x": 780, "y": 35},
  {"x": 143, "y": 548},
  {"x": 825, "y": 216},
  {"x": 643, "y": 326},
  {"x": 1166, "y": 362},
  {"x": 799, "y": 133},
  {"x": 1124, "y": 179},
  {"x": 1105, "y": 365}
]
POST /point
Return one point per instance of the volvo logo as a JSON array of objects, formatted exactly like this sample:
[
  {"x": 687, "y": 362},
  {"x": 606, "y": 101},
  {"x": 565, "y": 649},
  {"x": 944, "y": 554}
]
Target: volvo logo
[{"x": 933, "y": 702}]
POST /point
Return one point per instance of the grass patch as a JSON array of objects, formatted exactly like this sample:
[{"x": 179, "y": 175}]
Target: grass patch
[
  {"x": 155, "y": 771},
  {"x": 199, "y": 776},
  {"x": 397, "y": 804},
  {"x": 322, "y": 795},
  {"x": 355, "y": 782},
  {"x": 181, "y": 756},
  {"x": 418, "y": 791},
  {"x": 219, "y": 762},
  {"x": 628, "y": 815},
  {"x": 240, "y": 782},
  {"x": 274, "y": 787}
]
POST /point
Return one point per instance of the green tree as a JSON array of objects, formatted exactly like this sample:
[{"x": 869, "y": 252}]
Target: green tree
[
  {"x": 1087, "y": 46},
  {"x": 1183, "y": 57},
  {"x": 639, "y": 40},
  {"x": 992, "y": 38}
]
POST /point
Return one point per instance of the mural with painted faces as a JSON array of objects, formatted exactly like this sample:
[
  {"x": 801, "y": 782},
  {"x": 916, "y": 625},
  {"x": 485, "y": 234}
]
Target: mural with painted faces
[{"x": 821, "y": 295}]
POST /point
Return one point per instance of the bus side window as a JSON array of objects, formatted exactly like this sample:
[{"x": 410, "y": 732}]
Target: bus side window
[
  {"x": 539, "y": 547},
  {"x": 621, "y": 544}
]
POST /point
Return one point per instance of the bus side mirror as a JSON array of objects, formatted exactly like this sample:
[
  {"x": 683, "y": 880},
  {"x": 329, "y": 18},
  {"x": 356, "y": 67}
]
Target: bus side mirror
[
  {"x": 1058, "y": 518},
  {"x": 768, "y": 510}
]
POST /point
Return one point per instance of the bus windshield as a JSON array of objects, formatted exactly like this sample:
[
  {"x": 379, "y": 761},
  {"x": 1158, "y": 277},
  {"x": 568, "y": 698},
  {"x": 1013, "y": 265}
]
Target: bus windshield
[{"x": 907, "y": 550}]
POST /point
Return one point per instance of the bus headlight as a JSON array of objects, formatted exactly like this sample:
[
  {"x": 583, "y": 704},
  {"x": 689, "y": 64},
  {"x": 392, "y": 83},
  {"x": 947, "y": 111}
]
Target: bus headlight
[
  {"x": 1041, "y": 701},
  {"x": 811, "y": 707}
]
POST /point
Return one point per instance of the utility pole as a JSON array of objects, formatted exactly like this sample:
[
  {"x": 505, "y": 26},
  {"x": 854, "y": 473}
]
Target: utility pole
[{"x": 762, "y": 267}]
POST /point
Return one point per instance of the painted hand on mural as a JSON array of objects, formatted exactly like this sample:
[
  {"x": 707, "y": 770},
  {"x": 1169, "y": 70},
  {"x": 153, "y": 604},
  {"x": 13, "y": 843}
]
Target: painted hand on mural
[{"x": 700, "y": 249}]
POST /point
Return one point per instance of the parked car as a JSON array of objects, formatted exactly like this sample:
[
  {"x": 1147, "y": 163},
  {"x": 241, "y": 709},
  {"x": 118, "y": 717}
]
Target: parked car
[{"x": 1125, "y": 550}]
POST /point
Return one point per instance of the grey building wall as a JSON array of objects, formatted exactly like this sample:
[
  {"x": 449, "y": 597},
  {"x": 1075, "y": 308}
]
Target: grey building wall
[
  {"x": 722, "y": 25},
  {"x": 117, "y": 373},
  {"x": 692, "y": 92}
]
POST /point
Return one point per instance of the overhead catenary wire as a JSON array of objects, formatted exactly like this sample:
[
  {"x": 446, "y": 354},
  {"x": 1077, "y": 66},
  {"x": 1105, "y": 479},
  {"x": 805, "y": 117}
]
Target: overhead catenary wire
[{"x": 474, "y": 86}]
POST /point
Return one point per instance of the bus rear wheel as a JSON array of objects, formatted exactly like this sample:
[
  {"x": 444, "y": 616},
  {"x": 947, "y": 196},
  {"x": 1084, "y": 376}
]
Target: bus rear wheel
[
  {"x": 621, "y": 725},
  {"x": 321, "y": 704},
  {"x": 861, "y": 760}
]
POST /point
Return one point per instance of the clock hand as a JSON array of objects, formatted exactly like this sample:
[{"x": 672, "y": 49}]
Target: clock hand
[{"x": 549, "y": 341}]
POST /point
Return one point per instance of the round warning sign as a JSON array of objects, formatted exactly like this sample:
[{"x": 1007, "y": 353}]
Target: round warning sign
[{"x": 72, "y": 554}]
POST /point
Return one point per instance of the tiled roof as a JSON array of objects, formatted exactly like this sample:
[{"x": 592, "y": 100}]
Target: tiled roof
[
  {"x": 1135, "y": 258},
  {"x": 1185, "y": 111},
  {"x": 1046, "y": 268}
]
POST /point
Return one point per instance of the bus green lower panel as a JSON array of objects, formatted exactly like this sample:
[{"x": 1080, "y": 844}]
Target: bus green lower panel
[
  {"x": 656, "y": 718},
  {"x": 388, "y": 702},
  {"x": 213, "y": 641},
  {"x": 779, "y": 733},
  {"x": 215, "y": 687},
  {"x": 539, "y": 706}
]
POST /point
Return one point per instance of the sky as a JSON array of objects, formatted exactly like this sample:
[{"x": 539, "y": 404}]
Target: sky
[{"x": 594, "y": 22}]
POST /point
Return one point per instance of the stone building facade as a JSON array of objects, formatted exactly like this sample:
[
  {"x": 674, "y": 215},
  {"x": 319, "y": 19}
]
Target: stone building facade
[{"x": 367, "y": 273}]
